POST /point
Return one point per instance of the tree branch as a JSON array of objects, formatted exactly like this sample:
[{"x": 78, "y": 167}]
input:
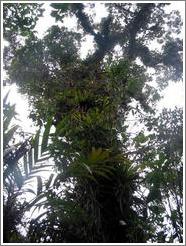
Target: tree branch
[
  {"x": 83, "y": 18},
  {"x": 106, "y": 39},
  {"x": 107, "y": 42}
]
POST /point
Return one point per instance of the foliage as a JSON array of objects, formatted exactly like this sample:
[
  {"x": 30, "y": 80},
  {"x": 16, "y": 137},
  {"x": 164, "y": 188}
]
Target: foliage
[
  {"x": 12, "y": 152},
  {"x": 93, "y": 196},
  {"x": 168, "y": 170},
  {"x": 162, "y": 165},
  {"x": 19, "y": 21},
  {"x": 19, "y": 166},
  {"x": 20, "y": 18}
]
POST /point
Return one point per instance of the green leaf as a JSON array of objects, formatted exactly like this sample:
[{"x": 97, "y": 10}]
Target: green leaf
[
  {"x": 30, "y": 160},
  {"x": 18, "y": 177},
  {"x": 25, "y": 163},
  {"x": 36, "y": 200},
  {"x": 45, "y": 137},
  {"x": 9, "y": 135},
  {"x": 38, "y": 217},
  {"x": 29, "y": 190},
  {"x": 36, "y": 145},
  {"x": 5, "y": 98},
  {"x": 87, "y": 168},
  {"x": 61, "y": 6},
  {"x": 49, "y": 181},
  {"x": 102, "y": 174},
  {"x": 39, "y": 185},
  {"x": 9, "y": 114}
]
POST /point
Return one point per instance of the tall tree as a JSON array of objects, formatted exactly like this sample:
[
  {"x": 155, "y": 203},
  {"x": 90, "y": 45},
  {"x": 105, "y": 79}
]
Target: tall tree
[
  {"x": 93, "y": 196},
  {"x": 162, "y": 165}
]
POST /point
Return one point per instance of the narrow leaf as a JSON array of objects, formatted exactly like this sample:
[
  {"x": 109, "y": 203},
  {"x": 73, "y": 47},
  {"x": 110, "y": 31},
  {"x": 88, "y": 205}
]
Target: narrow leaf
[
  {"x": 36, "y": 146},
  {"x": 29, "y": 190},
  {"x": 9, "y": 135},
  {"x": 49, "y": 181},
  {"x": 5, "y": 98},
  {"x": 30, "y": 160},
  {"x": 35, "y": 200},
  {"x": 46, "y": 133},
  {"x": 18, "y": 177},
  {"x": 9, "y": 114},
  {"x": 39, "y": 185},
  {"x": 25, "y": 163}
]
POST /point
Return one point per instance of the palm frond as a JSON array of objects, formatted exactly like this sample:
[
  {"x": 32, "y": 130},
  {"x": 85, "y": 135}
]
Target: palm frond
[
  {"x": 46, "y": 133},
  {"x": 22, "y": 162},
  {"x": 5, "y": 98}
]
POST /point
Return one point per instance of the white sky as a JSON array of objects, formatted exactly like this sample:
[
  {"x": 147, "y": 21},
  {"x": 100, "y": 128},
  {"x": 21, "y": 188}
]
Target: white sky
[{"x": 173, "y": 94}]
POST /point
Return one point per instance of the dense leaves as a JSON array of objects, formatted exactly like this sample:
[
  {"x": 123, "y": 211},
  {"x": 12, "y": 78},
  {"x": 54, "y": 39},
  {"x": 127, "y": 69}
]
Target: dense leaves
[
  {"x": 167, "y": 169},
  {"x": 20, "y": 18}
]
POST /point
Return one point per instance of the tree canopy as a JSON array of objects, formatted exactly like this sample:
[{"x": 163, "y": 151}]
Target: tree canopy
[{"x": 97, "y": 193}]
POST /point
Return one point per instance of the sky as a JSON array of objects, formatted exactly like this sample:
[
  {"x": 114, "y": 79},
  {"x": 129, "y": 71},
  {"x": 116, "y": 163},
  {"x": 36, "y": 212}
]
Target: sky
[{"x": 173, "y": 94}]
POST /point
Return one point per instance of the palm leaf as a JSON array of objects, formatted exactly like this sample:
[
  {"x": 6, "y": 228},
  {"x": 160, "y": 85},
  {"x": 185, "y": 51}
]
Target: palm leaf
[
  {"x": 28, "y": 190},
  {"x": 35, "y": 145},
  {"x": 39, "y": 185},
  {"x": 48, "y": 183},
  {"x": 9, "y": 114},
  {"x": 46, "y": 133},
  {"x": 33, "y": 162},
  {"x": 18, "y": 177},
  {"x": 30, "y": 160},
  {"x": 39, "y": 217},
  {"x": 25, "y": 163},
  {"x": 5, "y": 98},
  {"x": 35, "y": 201},
  {"x": 9, "y": 135}
]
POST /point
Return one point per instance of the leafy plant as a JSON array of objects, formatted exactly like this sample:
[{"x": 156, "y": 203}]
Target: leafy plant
[{"x": 17, "y": 173}]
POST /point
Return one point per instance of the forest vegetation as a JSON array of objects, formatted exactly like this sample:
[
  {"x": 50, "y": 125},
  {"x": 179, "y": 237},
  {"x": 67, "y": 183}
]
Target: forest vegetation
[{"x": 108, "y": 185}]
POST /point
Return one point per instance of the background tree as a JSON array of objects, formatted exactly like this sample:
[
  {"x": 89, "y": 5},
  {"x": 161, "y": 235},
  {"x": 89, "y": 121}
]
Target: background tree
[
  {"x": 159, "y": 154},
  {"x": 19, "y": 20},
  {"x": 93, "y": 199}
]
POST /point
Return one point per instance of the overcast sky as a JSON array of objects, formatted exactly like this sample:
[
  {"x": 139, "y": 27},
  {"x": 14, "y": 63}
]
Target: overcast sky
[{"x": 173, "y": 94}]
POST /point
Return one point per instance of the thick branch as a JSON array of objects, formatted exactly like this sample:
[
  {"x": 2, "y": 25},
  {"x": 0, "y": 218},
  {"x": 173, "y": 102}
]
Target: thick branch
[
  {"x": 107, "y": 40},
  {"x": 148, "y": 58},
  {"x": 83, "y": 18},
  {"x": 129, "y": 33},
  {"x": 140, "y": 20}
]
